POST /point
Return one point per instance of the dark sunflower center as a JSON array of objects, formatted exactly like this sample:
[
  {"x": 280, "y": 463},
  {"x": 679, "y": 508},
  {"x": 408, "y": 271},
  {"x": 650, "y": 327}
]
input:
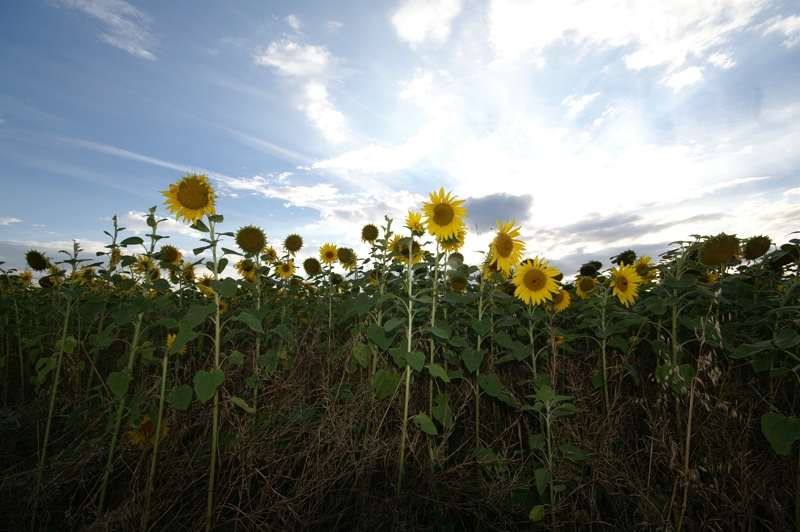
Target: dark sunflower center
[
  {"x": 443, "y": 214},
  {"x": 251, "y": 240},
  {"x": 535, "y": 280},
  {"x": 369, "y": 233},
  {"x": 622, "y": 284},
  {"x": 558, "y": 298},
  {"x": 345, "y": 255},
  {"x": 330, "y": 255},
  {"x": 192, "y": 194},
  {"x": 504, "y": 244},
  {"x": 170, "y": 254},
  {"x": 587, "y": 285},
  {"x": 293, "y": 243}
]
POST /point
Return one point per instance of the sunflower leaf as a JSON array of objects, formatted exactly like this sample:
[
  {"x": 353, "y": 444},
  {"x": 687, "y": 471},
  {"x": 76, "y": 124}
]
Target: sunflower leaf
[
  {"x": 181, "y": 397},
  {"x": 131, "y": 241},
  {"x": 424, "y": 422},
  {"x": 385, "y": 384},
  {"x": 198, "y": 225}
]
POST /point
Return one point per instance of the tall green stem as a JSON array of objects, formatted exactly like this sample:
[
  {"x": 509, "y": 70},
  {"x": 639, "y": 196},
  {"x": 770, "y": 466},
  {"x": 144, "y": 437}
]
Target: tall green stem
[
  {"x": 215, "y": 411},
  {"x": 409, "y": 335},
  {"x": 152, "y": 475}
]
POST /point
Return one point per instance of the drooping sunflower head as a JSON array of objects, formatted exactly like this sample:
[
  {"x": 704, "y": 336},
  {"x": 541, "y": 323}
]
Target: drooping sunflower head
[
  {"x": 626, "y": 283},
  {"x": 560, "y": 302},
  {"x": 444, "y": 215},
  {"x": 84, "y": 276},
  {"x": 312, "y": 266},
  {"x": 591, "y": 268},
  {"x": 626, "y": 257},
  {"x": 171, "y": 341},
  {"x": 247, "y": 269},
  {"x": 187, "y": 274},
  {"x": 251, "y": 239},
  {"x": 142, "y": 264},
  {"x": 336, "y": 279},
  {"x": 414, "y": 222},
  {"x": 170, "y": 254},
  {"x": 270, "y": 255},
  {"x": 455, "y": 242},
  {"x": 347, "y": 258},
  {"x": 36, "y": 260},
  {"x": 328, "y": 253},
  {"x": 369, "y": 233},
  {"x": 286, "y": 269},
  {"x": 584, "y": 287},
  {"x": 293, "y": 243},
  {"x": 191, "y": 198},
  {"x": 506, "y": 248},
  {"x": 718, "y": 249},
  {"x": 754, "y": 248},
  {"x": 535, "y": 281},
  {"x": 204, "y": 285},
  {"x": 643, "y": 266}
]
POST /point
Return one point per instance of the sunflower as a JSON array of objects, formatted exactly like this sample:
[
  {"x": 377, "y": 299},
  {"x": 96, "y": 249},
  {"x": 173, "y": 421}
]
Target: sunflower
[
  {"x": 718, "y": 249},
  {"x": 490, "y": 268},
  {"x": 312, "y": 266},
  {"x": 401, "y": 251},
  {"x": 204, "y": 284},
  {"x": 506, "y": 249},
  {"x": 643, "y": 264},
  {"x": 375, "y": 276},
  {"x": 270, "y": 255},
  {"x": 708, "y": 278},
  {"x": 293, "y": 243},
  {"x": 414, "y": 222},
  {"x": 455, "y": 260},
  {"x": 171, "y": 340},
  {"x": 85, "y": 276},
  {"x": 251, "y": 239},
  {"x": 584, "y": 286},
  {"x": 191, "y": 198},
  {"x": 328, "y": 253},
  {"x": 753, "y": 249},
  {"x": 146, "y": 432},
  {"x": 25, "y": 278},
  {"x": 223, "y": 306},
  {"x": 591, "y": 268},
  {"x": 171, "y": 254},
  {"x": 369, "y": 233},
  {"x": 561, "y": 301},
  {"x": 286, "y": 269},
  {"x": 626, "y": 257},
  {"x": 626, "y": 284},
  {"x": 187, "y": 274},
  {"x": 535, "y": 281},
  {"x": 247, "y": 269},
  {"x": 36, "y": 260},
  {"x": 347, "y": 258},
  {"x": 458, "y": 285},
  {"x": 454, "y": 243},
  {"x": 142, "y": 264},
  {"x": 114, "y": 257},
  {"x": 444, "y": 215}
]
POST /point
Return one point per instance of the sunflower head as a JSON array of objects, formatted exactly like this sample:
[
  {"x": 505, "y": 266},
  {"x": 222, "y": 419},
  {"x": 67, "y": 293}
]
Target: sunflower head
[
  {"x": 345, "y": 255},
  {"x": 336, "y": 279},
  {"x": 643, "y": 265},
  {"x": 455, "y": 260},
  {"x": 24, "y": 278},
  {"x": 270, "y": 255},
  {"x": 444, "y": 215},
  {"x": 84, "y": 276},
  {"x": 171, "y": 341},
  {"x": 375, "y": 276},
  {"x": 204, "y": 284},
  {"x": 286, "y": 269},
  {"x": 187, "y": 273},
  {"x": 247, "y": 269},
  {"x": 401, "y": 250},
  {"x": 36, "y": 260},
  {"x": 455, "y": 242},
  {"x": 251, "y": 239},
  {"x": 191, "y": 198},
  {"x": 491, "y": 267},
  {"x": 414, "y": 222},
  {"x": 535, "y": 280},
  {"x": 753, "y": 249},
  {"x": 312, "y": 266},
  {"x": 369, "y": 234},
  {"x": 560, "y": 302},
  {"x": 328, "y": 253},
  {"x": 293, "y": 243},
  {"x": 718, "y": 249},
  {"x": 584, "y": 287},
  {"x": 170, "y": 254},
  {"x": 590, "y": 269},
  {"x": 223, "y": 306},
  {"x": 626, "y": 283},
  {"x": 146, "y": 432},
  {"x": 626, "y": 257}
]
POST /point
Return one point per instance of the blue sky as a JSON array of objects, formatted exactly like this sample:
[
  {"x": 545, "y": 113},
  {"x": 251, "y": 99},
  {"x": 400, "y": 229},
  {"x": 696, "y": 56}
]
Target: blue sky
[{"x": 598, "y": 126}]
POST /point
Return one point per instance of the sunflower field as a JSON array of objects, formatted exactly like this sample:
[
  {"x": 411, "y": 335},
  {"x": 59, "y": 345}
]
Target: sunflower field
[{"x": 407, "y": 390}]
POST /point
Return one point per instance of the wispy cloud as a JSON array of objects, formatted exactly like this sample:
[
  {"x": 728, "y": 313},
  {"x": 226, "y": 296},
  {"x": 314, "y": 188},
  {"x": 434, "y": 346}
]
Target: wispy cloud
[
  {"x": 789, "y": 26},
  {"x": 684, "y": 78},
  {"x": 293, "y": 21},
  {"x": 576, "y": 105},
  {"x": 9, "y": 221},
  {"x": 420, "y": 21},
  {"x": 125, "y": 26}
]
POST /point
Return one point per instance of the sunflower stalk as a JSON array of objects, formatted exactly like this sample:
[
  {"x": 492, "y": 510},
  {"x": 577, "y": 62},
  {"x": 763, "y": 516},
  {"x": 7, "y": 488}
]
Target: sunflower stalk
[
  {"x": 409, "y": 336},
  {"x": 215, "y": 410},
  {"x": 151, "y": 476}
]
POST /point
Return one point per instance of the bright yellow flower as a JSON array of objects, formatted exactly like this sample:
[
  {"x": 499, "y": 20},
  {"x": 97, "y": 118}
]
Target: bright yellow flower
[
  {"x": 414, "y": 222},
  {"x": 171, "y": 340},
  {"x": 444, "y": 215},
  {"x": 25, "y": 278},
  {"x": 506, "y": 248},
  {"x": 285, "y": 269},
  {"x": 584, "y": 286},
  {"x": 642, "y": 264},
  {"x": 328, "y": 253},
  {"x": 454, "y": 243},
  {"x": 626, "y": 283},
  {"x": 247, "y": 269},
  {"x": 191, "y": 198},
  {"x": 204, "y": 284},
  {"x": 561, "y": 301},
  {"x": 402, "y": 250},
  {"x": 535, "y": 281}
]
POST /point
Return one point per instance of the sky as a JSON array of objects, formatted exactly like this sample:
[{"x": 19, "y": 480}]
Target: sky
[{"x": 597, "y": 126}]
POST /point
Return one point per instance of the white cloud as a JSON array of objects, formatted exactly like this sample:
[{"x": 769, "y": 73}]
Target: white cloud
[
  {"x": 721, "y": 60},
  {"x": 332, "y": 25},
  {"x": 420, "y": 21},
  {"x": 136, "y": 221},
  {"x": 8, "y": 221},
  {"x": 792, "y": 192},
  {"x": 684, "y": 78},
  {"x": 746, "y": 149},
  {"x": 307, "y": 67},
  {"x": 789, "y": 26},
  {"x": 660, "y": 33},
  {"x": 577, "y": 105},
  {"x": 126, "y": 26},
  {"x": 293, "y": 21}
]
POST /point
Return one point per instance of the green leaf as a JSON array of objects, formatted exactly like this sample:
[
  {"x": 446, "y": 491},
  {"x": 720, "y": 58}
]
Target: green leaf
[
  {"x": 197, "y": 314},
  {"x": 181, "y": 339},
  {"x": 572, "y": 452},
  {"x": 781, "y": 431},
  {"x": 424, "y": 422},
  {"x": 482, "y": 327},
  {"x": 269, "y": 360},
  {"x": 503, "y": 339},
  {"x": 416, "y": 360},
  {"x": 439, "y": 332},
  {"x": 633, "y": 373},
  {"x": 438, "y": 371},
  {"x": 205, "y": 383},
  {"x": 118, "y": 382},
  {"x": 536, "y": 442},
  {"x": 363, "y": 354},
  {"x": 472, "y": 359},
  {"x": 200, "y": 226},
  {"x": 236, "y": 358},
  {"x": 227, "y": 288},
  {"x": 392, "y": 324},
  {"x": 385, "y": 384},
  {"x": 655, "y": 304},
  {"x": 491, "y": 385},
  {"x": 162, "y": 285},
  {"x": 457, "y": 341},
  {"x": 131, "y": 241},
  {"x": 542, "y": 479},
  {"x": 251, "y": 321},
  {"x": 745, "y": 350},
  {"x": 180, "y": 398},
  {"x": 620, "y": 343},
  {"x": 378, "y": 335},
  {"x": 787, "y": 339},
  {"x": 69, "y": 344},
  {"x": 441, "y": 410},
  {"x": 536, "y": 513},
  {"x": 241, "y": 403}
]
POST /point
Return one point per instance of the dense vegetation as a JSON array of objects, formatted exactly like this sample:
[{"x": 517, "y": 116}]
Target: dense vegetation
[{"x": 411, "y": 392}]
